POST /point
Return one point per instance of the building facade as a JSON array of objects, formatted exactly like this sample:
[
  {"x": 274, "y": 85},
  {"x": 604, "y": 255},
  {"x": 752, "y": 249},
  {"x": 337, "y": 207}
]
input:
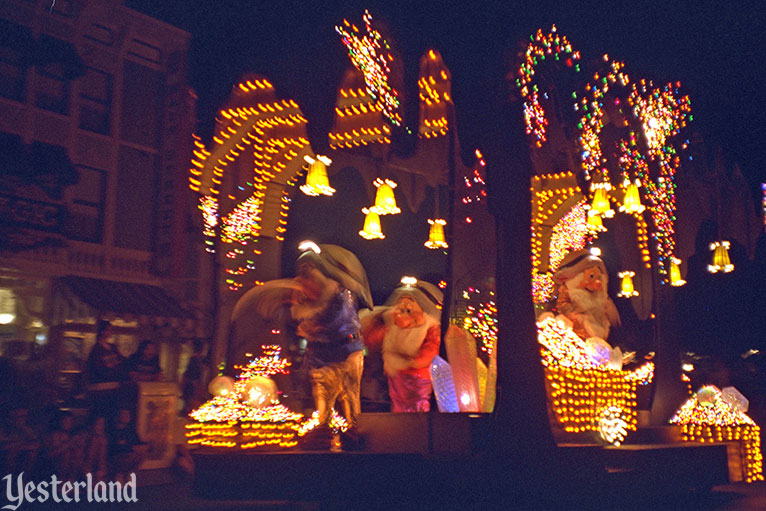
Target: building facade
[{"x": 96, "y": 218}]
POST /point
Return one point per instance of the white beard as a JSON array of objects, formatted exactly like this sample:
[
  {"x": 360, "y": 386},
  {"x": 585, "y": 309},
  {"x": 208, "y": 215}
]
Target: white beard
[
  {"x": 401, "y": 344},
  {"x": 592, "y": 305}
]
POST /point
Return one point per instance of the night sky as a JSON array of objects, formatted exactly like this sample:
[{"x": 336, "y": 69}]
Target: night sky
[{"x": 713, "y": 48}]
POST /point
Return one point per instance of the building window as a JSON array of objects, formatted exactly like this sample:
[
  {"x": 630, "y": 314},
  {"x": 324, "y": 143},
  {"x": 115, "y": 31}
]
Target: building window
[
  {"x": 142, "y": 104},
  {"x": 16, "y": 49},
  {"x": 100, "y": 33},
  {"x": 137, "y": 190},
  {"x": 85, "y": 221},
  {"x": 145, "y": 51},
  {"x": 96, "y": 101},
  {"x": 53, "y": 88},
  {"x": 12, "y": 74},
  {"x": 57, "y": 64}
]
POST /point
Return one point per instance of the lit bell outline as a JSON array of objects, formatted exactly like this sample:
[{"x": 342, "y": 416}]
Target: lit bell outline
[
  {"x": 436, "y": 234},
  {"x": 316, "y": 177},
  {"x": 632, "y": 201},
  {"x": 627, "y": 289},
  {"x": 675, "y": 273},
  {"x": 721, "y": 261},
  {"x": 371, "y": 230},
  {"x": 385, "y": 202}
]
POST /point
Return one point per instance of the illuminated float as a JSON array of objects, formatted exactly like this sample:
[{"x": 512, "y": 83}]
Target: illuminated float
[
  {"x": 716, "y": 416},
  {"x": 573, "y": 202},
  {"x": 626, "y": 135},
  {"x": 246, "y": 413}
]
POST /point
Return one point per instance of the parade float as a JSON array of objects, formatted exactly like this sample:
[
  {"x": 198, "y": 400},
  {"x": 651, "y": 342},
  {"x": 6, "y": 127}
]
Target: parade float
[
  {"x": 628, "y": 140},
  {"x": 627, "y": 144},
  {"x": 719, "y": 416}
]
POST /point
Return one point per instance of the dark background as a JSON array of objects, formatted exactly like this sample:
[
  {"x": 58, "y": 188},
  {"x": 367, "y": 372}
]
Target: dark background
[{"x": 714, "y": 48}]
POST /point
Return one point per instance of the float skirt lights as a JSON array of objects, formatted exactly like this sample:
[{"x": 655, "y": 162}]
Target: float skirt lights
[
  {"x": 371, "y": 230},
  {"x": 675, "y": 273},
  {"x": 632, "y": 201},
  {"x": 436, "y": 234},
  {"x": 627, "y": 289},
  {"x": 709, "y": 417},
  {"x": 721, "y": 261},
  {"x": 316, "y": 178},
  {"x": 584, "y": 395},
  {"x": 385, "y": 202}
]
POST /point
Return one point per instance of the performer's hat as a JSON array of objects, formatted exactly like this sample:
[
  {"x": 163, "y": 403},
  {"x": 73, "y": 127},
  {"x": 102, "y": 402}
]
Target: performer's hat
[
  {"x": 428, "y": 296},
  {"x": 340, "y": 265},
  {"x": 577, "y": 261}
]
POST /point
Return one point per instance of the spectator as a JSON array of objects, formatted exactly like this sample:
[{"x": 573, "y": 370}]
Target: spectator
[
  {"x": 144, "y": 365},
  {"x": 126, "y": 450},
  {"x": 105, "y": 370},
  {"x": 62, "y": 448},
  {"x": 19, "y": 443},
  {"x": 96, "y": 444},
  {"x": 193, "y": 382}
]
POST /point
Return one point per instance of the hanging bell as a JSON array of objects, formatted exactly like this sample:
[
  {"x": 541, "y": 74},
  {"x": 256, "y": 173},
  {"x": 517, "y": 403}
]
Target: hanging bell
[
  {"x": 595, "y": 224},
  {"x": 371, "y": 230},
  {"x": 721, "y": 261},
  {"x": 675, "y": 273},
  {"x": 385, "y": 202},
  {"x": 627, "y": 289},
  {"x": 632, "y": 201},
  {"x": 436, "y": 234},
  {"x": 600, "y": 204},
  {"x": 316, "y": 177}
]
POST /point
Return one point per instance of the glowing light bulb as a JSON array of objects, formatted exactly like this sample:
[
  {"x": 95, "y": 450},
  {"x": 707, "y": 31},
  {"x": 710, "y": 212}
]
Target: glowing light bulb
[{"x": 436, "y": 234}]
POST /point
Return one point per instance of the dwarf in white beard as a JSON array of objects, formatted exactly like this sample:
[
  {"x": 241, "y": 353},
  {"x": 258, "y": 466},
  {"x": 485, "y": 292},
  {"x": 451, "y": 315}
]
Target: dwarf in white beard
[
  {"x": 582, "y": 295},
  {"x": 407, "y": 331}
]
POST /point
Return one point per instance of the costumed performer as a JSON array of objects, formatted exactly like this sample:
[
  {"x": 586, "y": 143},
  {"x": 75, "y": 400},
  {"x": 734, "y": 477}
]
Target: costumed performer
[
  {"x": 407, "y": 331},
  {"x": 582, "y": 295},
  {"x": 322, "y": 298}
]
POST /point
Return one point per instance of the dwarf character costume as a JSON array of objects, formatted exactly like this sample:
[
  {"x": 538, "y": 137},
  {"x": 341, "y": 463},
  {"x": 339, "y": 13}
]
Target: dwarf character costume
[
  {"x": 582, "y": 295},
  {"x": 407, "y": 331},
  {"x": 322, "y": 298},
  {"x": 333, "y": 280}
]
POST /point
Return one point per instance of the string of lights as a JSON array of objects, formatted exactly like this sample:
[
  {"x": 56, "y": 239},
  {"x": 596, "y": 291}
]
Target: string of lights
[
  {"x": 541, "y": 47},
  {"x": 275, "y": 131},
  {"x": 714, "y": 420},
  {"x": 230, "y": 419},
  {"x": 370, "y": 53},
  {"x": 479, "y": 317},
  {"x": 435, "y": 93}
]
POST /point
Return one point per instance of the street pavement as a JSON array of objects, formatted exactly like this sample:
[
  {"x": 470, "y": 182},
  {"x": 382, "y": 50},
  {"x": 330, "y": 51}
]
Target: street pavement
[{"x": 160, "y": 490}]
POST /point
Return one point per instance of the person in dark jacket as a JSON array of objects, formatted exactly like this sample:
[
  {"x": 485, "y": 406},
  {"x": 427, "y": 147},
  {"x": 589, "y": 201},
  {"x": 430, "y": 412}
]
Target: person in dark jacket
[
  {"x": 105, "y": 370},
  {"x": 144, "y": 364}
]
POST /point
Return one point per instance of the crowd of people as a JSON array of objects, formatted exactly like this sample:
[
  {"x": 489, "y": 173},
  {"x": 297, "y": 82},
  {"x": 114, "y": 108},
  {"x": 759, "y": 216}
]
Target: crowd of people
[
  {"x": 107, "y": 447},
  {"x": 99, "y": 437}
]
